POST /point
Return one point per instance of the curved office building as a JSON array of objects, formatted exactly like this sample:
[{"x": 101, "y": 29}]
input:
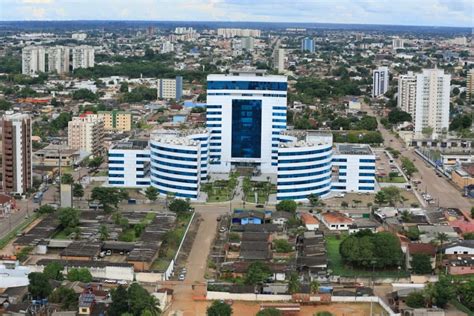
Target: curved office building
[
  {"x": 304, "y": 166},
  {"x": 178, "y": 162}
]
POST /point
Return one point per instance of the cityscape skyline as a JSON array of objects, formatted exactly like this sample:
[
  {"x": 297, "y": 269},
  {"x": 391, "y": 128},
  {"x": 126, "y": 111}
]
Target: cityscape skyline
[{"x": 400, "y": 12}]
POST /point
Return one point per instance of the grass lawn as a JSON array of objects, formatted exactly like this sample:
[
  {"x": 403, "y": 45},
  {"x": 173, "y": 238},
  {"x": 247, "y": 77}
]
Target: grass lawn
[
  {"x": 391, "y": 180},
  {"x": 261, "y": 198},
  {"x": 216, "y": 193},
  {"x": 60, "y": 235},
  {"x": 338, "y": 268}
]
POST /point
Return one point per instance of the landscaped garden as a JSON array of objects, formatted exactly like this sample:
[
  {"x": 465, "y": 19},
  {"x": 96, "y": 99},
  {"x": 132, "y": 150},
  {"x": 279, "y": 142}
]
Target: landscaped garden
[
  {"x": 257, "y": 191},
  {"x": 220, "y": 190}
]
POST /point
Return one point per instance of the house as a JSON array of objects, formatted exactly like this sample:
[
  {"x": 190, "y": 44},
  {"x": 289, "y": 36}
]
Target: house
[
  {"x": 86, "y": 303},
  {"x": 280, "y": 217},
  {"x": 420, "y": 249},
  {"x": 363, "y": 224},
  {"x": 255, "y": 250},
  {"x": 460, "y": 248},
  {"x": 7, "y": 203},
  {"x": 312, "y": 256},
  {"x": 238, "y": 269},
  {"x": 309, "y": 221},
  {"x": 335, "y": 220},
  {"x": 429, "y": 233},
  {"x": 242, "y": 217}
]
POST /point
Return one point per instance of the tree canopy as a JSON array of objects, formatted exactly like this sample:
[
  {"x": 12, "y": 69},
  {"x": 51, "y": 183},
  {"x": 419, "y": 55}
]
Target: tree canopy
[
  {"x": 287, "y": 206},
  {"x": 39, "y": 286},
  {"x": 219, "y": 308},
  {"x": 257, "y": 273}
]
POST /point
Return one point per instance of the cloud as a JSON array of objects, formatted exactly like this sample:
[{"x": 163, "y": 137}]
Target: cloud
[{"x": 401, "y": 12}]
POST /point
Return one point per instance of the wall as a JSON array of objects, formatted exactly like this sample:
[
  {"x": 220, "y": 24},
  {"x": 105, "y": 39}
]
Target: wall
[{"x": 149, "y": 277}]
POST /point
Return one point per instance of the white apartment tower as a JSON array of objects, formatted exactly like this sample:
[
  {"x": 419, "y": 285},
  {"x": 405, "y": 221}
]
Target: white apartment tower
[
  {"x": 86, "y": 133},
  {"x": 380, "y": 81},
  {"x": 58, "y": 59},
  {"x": 432, "y": 100},
  {"x": 398, "y": 43},
  {"x": 470, "y": 84},
  {"x": 407, "y": 93},
  {"x": 32, "y": 60},
  {"x": 279, "y": 59},
  {"x": 82, "y": 57}
]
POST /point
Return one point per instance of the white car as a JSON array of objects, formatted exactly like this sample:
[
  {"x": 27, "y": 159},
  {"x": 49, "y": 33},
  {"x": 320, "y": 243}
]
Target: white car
[{"x": 181, "y": 277}]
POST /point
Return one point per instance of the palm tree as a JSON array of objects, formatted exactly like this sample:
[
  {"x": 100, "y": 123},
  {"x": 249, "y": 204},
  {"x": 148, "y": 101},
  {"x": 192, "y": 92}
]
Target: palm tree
[
  {"x": 441, "y": 238},
  {"x": 314, "y": 286}
]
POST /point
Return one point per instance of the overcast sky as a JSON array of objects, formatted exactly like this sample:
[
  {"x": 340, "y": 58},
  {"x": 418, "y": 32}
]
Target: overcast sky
[{"x": 399, "y": 12}]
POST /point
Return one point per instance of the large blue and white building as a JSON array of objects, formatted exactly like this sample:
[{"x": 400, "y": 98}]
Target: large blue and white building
[
  {"x": 307, "y": 45},
  {"x": 245, "y": 114},
  {"x": 246, "y": 127}
]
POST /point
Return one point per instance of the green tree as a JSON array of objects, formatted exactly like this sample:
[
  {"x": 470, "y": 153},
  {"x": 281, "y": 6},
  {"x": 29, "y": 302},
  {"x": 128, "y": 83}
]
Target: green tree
[
  {"x": 5, "y": 105},
  {"x": 46, "y": 209},
  {"x": 269, "y": 312},
  {"x": 179, "y": 206},
  {"x": 67, "y": 298},
  {"x": 39, "y": 286},
  {"x": 80, "y": 274},
  {"x": 314, "y": 287},
  {"x": 77, "y": 190},
  {"x": 441, "y": 292},
  {"x": 84, "y": 94},
  {"x": 124, "y": 87},
  {"x": 141, "y": 301},
  {"x": 294, "y": 283},
  {"x": 119, "y": 304},
  {"x": 67, "y": 179},
  {"x": 257, "y": 273},
  {"x": 465, "y": 293},
  {"x": 421, "y": 264},
  {"x": 108, "y": 197},
  {"x": 282, "y": 246},
  {"x": 314, "y": 200},
  {"x": 151, "y": 193},
  {"x": 416, "y": 300},
  {"x": 408, "y": 166},
  {"x": 103, "y": 232},
  {"x": 287, "y": 206},
  {"x": 68, "y": 219},
  {"x": 398, "y": 116},
  {"x": 219, "y": 308},
  {"x": 95, "y": 162},
  {"x": 324, "y": 313},
  {"x": 54, "y": 271}
]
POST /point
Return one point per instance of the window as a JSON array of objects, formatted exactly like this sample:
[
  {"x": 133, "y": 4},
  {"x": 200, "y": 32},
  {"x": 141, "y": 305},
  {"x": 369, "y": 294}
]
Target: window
[
  {"x": 209, "y": 119},
  {"x": 279, "y": 120},
  {"x": 304, "y": 159},
  {"x": 366, "y": 160},
  {"x": 366, "y": 181},
  {"x": 246, "y": 128},
  {"x": 214, "y": 125},
  {"x": 116, "y": 155},
  {"x": 301, "y": 153},
  {"x": 143, "y": 182},
  {"x": 116, "y": 175},
  {"x": 279, "y": 108},
  {"x": 366, "y": 188},
  {"x": 362, "y": 174},
  {"x": 174, "y": 150},
  {"x": 143, "y": 156},
  {"x": 214, "y": 106},
  {"x": 158, "y": 155},
  {"x": 118, "y": 162},
  {"x": 279, "y": 114},
  {"x": 116, "y": 168},
  {"x": 367, "y": 168},
  {"x": 339, "y": 159},
  {"x": 303, "y": 167},
  {"x": 116, "y": 182},
  {"x": 279, "y": 126}
]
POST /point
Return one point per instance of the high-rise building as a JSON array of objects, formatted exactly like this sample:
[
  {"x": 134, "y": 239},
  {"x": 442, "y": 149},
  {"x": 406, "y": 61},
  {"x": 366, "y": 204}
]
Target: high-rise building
[
  {"x": 32, "y": 60},
  {"x": 247, "y": 43},
  {"x": 470, "y": 84},
  {"x": 432, "y": 100},
  {"x": 245, "y": 114},
  {"x": 279, "y": 59},
  {"x": 380, "y": 81},
  {"x": 79, "y": 36},
  {"x": 307, "y": 45},
  {"x": 116, "y": 120},
  {"x": 170, "y": 88},
  {"x": 86, "y": 133},
  {"x": 17, "y": 153},
  {"x": 406, "y": 100},
  {"x": 167, "y": 47},
  {"x": 58, "y": 59},
  {"x": 129, "y": 164},
  {"x": 229, "y": 32},
  {"x": 398, "y": 43},
  {"x": 82, "y": 57}
]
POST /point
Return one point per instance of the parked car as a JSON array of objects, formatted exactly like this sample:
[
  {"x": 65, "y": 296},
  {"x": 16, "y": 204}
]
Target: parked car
[{"x": 181, "y": 277}]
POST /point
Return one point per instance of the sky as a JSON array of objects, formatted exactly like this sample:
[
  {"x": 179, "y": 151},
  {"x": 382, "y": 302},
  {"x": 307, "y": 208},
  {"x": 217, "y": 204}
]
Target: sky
[{"x": 395, "y": 12}]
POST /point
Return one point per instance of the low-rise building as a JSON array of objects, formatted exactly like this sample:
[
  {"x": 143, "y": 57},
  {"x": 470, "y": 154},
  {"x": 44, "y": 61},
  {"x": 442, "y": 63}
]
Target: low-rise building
[
  {"x": 335, "y": 220},
  {"x": 420, "y": 249},
  {"x": 129, "y": 164},
  {"x": 309, "y": 221}
]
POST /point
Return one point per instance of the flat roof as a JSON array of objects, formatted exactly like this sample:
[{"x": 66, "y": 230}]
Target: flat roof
[
  {"x": 131, "y": 145},
  {"x": 353, "y": 149}
]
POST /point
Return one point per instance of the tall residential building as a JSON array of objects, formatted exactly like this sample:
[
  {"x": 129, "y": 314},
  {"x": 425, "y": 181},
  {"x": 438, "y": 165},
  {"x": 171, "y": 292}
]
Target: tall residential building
[
  {"x": 116, "y": 120},
  {"x": 380, "y": 81},
  {"x": 170, "y": 88},
  {"x": 17, "y": 153},
  {"x": 470, "y": 85},
  {"x": 432, "y": 100},
  {"x": 167, "y": 47},
  {"x": 307, "y": 45},
  {"x": 228, "y": 32},
  {"x": 247, "y": 43},
  {"x": 82, "y": 57},
  {"x": 79, "y": 36},
  {"x": 32, "y": 60},
  {"x": 58, "y": 59},
  {"x": 279, "y": 59},
  {"x": 86, "y": 133},
  {"x": 407, "y": 93},
  {"x": 398, "y": 43},
  {"x": 245, "y": 115}
]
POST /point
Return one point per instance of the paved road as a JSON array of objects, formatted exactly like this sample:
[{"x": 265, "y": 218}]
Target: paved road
[
  {"x": 439, "y": 188},
  {"x": 183, "y": 302}
]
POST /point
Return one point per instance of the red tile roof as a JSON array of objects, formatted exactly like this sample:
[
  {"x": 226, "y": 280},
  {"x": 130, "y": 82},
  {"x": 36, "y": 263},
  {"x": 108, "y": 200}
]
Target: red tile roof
[
  {"x": 309, "y": 219},
  {"x": 421, "y": 248}
]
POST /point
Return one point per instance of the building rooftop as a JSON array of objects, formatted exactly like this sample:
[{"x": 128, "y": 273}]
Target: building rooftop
[
  {"x": 131, "y": 145},
  {"x": 336, "y": 217},
  {"x": 352, "y": 149},
  {"x": 177, "y": 137},
  {"x": 422, "y": 248}
]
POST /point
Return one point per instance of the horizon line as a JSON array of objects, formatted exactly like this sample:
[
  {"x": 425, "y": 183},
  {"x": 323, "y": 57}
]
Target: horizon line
[{"x": 218, "y": 21}]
